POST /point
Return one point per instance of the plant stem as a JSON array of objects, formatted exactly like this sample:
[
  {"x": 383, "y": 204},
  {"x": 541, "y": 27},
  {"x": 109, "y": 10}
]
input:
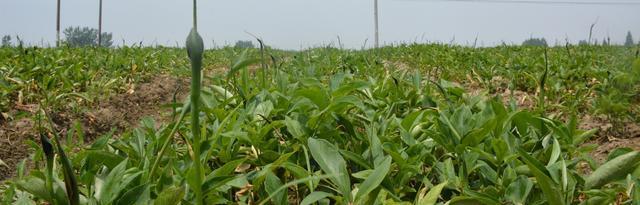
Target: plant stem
[
  {"x": 195, "y": 50},
  {"x": 195, "y": 125},
  {"x": 165, "y": 144},
  {"x": 195, "y": 14}
]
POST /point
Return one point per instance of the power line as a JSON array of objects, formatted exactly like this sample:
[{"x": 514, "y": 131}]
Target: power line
[{"x": 539, "y": 2}]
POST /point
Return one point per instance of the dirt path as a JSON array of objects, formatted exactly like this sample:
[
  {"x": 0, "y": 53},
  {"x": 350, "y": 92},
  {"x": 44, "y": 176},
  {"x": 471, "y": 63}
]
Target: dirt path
[{"x": 119, "y": 112}]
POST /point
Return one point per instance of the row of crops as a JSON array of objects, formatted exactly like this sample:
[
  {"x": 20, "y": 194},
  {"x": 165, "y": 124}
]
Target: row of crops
[
  {"x": 68, "y": 77},
  {"x": 396, "y": 125}
]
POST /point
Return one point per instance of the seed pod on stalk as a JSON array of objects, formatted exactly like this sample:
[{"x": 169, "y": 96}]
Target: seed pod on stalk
[{"x": 195, "y": 50}]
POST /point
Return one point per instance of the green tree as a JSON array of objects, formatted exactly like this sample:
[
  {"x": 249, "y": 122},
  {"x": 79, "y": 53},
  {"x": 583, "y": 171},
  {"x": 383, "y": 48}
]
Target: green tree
[
  {"x": 535, "y": 42},
  {"x": 629, "y": 41},
  {"x": 6, "y": 41},
  {"x": 583, "y": 42},
  {"x": 85, "y": 36},
  {"x": 244, "y": 44}
]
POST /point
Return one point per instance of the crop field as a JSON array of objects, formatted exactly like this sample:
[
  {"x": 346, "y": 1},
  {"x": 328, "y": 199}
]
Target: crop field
[{"x": 404, "y": 124}]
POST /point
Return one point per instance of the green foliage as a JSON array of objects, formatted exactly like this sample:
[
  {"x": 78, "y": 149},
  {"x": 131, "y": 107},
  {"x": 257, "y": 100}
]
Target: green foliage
[
  {"x": 614, "y": 169},
  {"x": 243, "y": 45},
  {"x": 583, "y": 43},
  {"x": 6, "y": 41},
  {"x": 629, "y": 40},
  {"x": 85, "y": 36},
  {"x": 535, "y": 42},
  {"x": 340, "y": 127},
  {"x": 606, "y": 42}
]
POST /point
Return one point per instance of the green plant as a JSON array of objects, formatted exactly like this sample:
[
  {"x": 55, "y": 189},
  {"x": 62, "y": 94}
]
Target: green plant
[
  {"x": 330, "y": 126},
  {"x": 80, "y": 37},
  {"x": 195, "y": 49}
]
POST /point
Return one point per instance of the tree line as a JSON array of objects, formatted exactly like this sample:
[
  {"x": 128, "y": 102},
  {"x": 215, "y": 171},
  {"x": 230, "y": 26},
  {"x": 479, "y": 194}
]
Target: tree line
[
  {"x": 605, "y": 42},
  {"x": 86, "y": 36},
  {"x": 74, "y": 37}
]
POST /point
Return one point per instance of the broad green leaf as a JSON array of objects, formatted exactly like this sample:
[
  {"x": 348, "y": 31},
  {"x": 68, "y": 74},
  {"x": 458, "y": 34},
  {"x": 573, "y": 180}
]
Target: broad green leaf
[
  {"x": 295, "y": 169},
  {"x": 519, "y": 190},
  {"x": 170, "y": 196},
  {"x": 316, "y": 95},
  {"x": 294, "y": 182},
  {"x": 136, "y": 195},
  {"x": 104, "y": 158},
  {"x": 618, "y": 152},
  {"x": 374, "y": 179},
  {"x": 552, "y": 192},
  {"x": 636, "y": 190},
  {"x": 108, "y": 191},
  {"x": 294, "y": 127},
  {"x": 362, "y": 174},
  {"x": 411, "y": 120},
  {"x": 465, "y": 200},
  {"x": 328, "y": 157},
  {"x": 241, "y": 62},
  {"x": 314, "y": 197},
  {"x": 35, "y": 186},
  {"x": 70, "y": 181},
  {"x": 355, "y": 158},
  {"x": 615, "y": 169},
  {"x": 271, "y": 185},
  {"x": 431, "y": 197},
  {"x": 555, "y": 152},
  {"x": 22, "y": 199},
  {"x": 491, "y": 197},
  {"x": 476, "y": 136},
  {"x": 226, "y": 169},
  {"x": 580, "y": 138}
]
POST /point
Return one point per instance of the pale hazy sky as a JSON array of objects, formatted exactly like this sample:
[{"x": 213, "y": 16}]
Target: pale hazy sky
[{"x": 294, "y": 24}]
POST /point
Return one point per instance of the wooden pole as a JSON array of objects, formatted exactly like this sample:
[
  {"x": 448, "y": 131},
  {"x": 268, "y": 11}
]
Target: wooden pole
[
  {"x": 58, "y": 25},
  {"x": 375, "y": 16},
  {"x": 100, "y": 25}
]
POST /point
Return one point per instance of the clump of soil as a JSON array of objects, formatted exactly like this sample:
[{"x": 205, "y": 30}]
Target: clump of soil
[
  {"x": 118, "y": 112},
  {"x": 522, "y": 99},
  {"x": 606, "y": 146},
  {"x": 125, "y": 110},
  {"x": 610, "y": 136},
  {"x": 12, "y": 146}
]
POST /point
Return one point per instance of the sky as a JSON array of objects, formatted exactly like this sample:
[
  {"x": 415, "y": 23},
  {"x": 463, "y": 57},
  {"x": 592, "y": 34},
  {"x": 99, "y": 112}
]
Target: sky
[{"x": 299, "y": 24}]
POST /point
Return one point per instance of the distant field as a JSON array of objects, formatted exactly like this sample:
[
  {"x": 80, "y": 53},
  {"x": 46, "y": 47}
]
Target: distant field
[{"x": 416, "y": 124}]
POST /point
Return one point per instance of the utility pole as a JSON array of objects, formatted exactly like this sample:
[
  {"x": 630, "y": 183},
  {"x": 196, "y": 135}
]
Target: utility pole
[
  {"x": 58, "y": 26},
  {"x": 375, "y": 16},
  {"x": 100, "y": 25}
]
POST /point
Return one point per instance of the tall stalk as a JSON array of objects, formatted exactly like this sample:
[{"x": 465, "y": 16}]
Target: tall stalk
[
  {"x": 195, "y": 49},
  {"x": 543, "y": 94},
  {"x": 47, "y": 149}
]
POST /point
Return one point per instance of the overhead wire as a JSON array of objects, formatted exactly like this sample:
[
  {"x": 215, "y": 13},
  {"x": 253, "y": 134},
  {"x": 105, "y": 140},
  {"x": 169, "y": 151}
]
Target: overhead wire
[{"x": 539, "y": 2}]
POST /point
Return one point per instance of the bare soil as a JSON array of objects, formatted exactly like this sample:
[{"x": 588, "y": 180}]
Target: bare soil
[
  {"x": 116, "y": 113},
  {"x": 609, "y": 138}
]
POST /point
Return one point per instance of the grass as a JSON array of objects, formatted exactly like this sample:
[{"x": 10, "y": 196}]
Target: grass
[{"x": 328, "y": 126}]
